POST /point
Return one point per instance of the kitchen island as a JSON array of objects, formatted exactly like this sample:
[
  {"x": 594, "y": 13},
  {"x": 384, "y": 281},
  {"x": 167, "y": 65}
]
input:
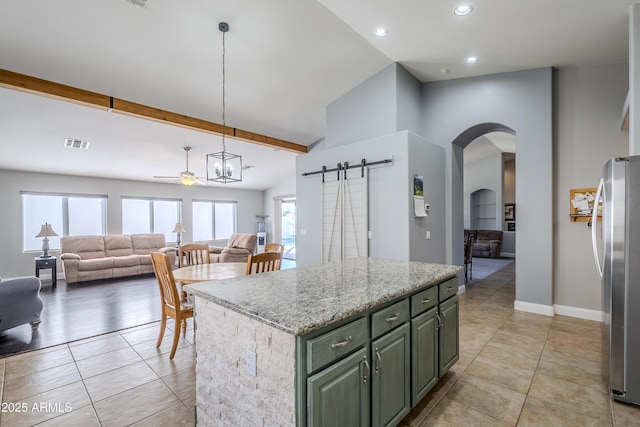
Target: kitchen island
[{"x": 357, "y": 342}]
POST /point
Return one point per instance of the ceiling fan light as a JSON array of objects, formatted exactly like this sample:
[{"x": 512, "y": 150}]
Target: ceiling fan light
[{"x": 188, "y": 179}]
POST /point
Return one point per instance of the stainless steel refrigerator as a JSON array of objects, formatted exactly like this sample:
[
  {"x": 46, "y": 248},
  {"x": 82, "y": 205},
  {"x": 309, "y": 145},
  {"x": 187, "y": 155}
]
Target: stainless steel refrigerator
[{"x": 617, "y": 256}]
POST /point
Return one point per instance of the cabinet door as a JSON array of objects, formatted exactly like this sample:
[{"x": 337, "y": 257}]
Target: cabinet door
[
  {"x": 391, "y": 393},
  {"x": 448, "y": 339},
  {"x": 424, "y": 354},
  {"x": 339, "y": 394}
]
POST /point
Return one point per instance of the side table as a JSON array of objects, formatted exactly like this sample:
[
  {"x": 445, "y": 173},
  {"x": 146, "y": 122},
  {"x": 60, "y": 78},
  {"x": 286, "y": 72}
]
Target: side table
[{"x": 44, "y": 263}]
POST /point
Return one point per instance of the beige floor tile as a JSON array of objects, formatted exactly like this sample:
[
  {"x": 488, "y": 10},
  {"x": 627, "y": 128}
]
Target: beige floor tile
[
  {"x": 592, "y": 402},
  {"x": 582, "y": 372},
  {"x": 510, "y": 355},
  {"x": 450, "y": 413},
  {"x": 136, "y": 404},
  {"x": 21, "y": 366},
  {"x": 175, "y": 416},
  {"x": 92, "y": 348},
  {"x": 484, "y": 396},
  {"x": 500, "y": 374},
  {"x": 182, "y": 383},
  {"x": 148, "y": 349},
  {"x": 120, "y": 380},
  {"x": 85, "y": 417},
  {"x": 19, "y": 388},
  {"x": 48, "y": 405},
  {"x": 183, "y": 359},
  {"x": 538, "y": 412},
  {"x": 107, "y": 362},
  {"x": 149, "y": 333},
  {"x": 426, "y": 405},
  {"x": 625, "y": 415},
  {"x": 94, "y": 338}
]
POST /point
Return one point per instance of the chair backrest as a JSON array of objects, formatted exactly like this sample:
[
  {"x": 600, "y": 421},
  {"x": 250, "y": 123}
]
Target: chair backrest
[
  {"x": 275, "y": 247},
  {"x": 193, "y": 253},
  {"x": 166, "y": 282},
  {"x": 469, "y": 240},
  {"x": 261, "y": 263}
]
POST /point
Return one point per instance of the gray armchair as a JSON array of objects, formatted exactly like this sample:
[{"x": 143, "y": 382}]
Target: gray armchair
[{"x": 20, "y": 302}]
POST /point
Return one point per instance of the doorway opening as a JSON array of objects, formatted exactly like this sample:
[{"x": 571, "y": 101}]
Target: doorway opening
[{"x": 288, "y": 228}]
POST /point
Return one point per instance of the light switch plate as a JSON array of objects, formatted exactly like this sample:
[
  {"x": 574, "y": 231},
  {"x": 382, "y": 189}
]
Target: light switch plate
[{"x": 252, "y": 363}]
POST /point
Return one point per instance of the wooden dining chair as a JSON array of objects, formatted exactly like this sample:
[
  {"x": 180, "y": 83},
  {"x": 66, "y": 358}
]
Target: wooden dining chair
[
  {"x": 275, "y": 247},
  {"x": 261, "y": 263},
  {"x": 193, "y": 253},
  {"x": 172, "y": 305}
]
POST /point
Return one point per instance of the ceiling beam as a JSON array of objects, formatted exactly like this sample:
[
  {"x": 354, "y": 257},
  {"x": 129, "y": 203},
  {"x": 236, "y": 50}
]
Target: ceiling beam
[{"x": 24, "y": 83}]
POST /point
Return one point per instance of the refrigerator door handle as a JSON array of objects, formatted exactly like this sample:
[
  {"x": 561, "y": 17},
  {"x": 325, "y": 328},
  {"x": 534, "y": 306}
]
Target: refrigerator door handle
[{"x": 594, "y": 222}]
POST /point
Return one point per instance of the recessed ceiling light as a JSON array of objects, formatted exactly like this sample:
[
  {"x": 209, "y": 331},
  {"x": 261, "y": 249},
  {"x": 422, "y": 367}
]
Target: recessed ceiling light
[
  {"x": 471, "y": 60},
  {"x": 381, "y": 32},
  {"x": 463, "y": 9}
]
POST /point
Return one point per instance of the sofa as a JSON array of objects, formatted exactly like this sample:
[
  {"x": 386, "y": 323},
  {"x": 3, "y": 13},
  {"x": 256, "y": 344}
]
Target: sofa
[
  {"x": 87, "y": 258},
  {"x": 20, "y": 302},
  {"x": 488, "y": 243},
  {"x": 239, "y": 247}
]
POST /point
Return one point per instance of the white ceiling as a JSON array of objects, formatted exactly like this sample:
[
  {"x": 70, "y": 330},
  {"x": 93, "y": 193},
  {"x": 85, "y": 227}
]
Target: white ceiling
[{"x": 286, "y": 60}]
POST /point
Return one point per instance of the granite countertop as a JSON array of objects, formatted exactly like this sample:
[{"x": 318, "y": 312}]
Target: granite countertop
[{"x": 302, "y": 300}]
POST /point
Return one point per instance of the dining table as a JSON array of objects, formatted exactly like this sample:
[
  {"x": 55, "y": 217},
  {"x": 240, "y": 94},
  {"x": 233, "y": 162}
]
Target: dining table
[{"x": 206, "y": 272}]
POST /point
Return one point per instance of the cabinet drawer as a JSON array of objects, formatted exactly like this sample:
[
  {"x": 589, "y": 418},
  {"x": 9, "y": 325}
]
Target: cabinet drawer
[
  {"x": 448, "y": 289},
  {"x": 335, "y": 344},
  {"x": 388, "y": 318},
  {"x": 46, "y": 263},
  {"x": 424, "y": 300}
]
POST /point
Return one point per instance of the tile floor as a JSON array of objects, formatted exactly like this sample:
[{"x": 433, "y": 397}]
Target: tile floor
[{"x": 515, "y": 368}]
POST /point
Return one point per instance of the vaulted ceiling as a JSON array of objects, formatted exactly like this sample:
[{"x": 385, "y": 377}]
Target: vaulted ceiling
[{"x": 285, "y": 61}]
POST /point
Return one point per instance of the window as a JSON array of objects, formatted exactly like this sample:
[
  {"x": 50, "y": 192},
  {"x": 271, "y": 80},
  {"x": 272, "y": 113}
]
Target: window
[
  {"x": 150, "y": 216},
  {"x": 213, "y": 220},
  {"x": 68, "y": 214}
]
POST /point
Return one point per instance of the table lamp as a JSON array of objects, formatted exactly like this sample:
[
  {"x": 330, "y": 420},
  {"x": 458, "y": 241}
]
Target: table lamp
[
  {"x": 46, "y": 231},
  {"x": 178, "y": 229}
]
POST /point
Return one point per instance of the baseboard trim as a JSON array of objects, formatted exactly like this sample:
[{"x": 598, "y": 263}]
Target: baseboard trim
[
  {"x": 546, "y": 310},
  {"x": 580, "y": 313},
  {"x": 507, "y": 255}
]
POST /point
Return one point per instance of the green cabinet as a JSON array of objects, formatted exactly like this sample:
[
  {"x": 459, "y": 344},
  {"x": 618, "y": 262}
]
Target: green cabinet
[
  {"x": 448, "y": 342},
  {"x": 391, "y": 394},
  {"x": 339, "y": 394},
  {"x": 424, "y": 354},
  {"x": 372, "y": 369}
]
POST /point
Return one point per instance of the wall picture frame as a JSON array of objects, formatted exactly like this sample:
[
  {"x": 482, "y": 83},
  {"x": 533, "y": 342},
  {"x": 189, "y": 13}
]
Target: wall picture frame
[{"x": 509, "y": 211}]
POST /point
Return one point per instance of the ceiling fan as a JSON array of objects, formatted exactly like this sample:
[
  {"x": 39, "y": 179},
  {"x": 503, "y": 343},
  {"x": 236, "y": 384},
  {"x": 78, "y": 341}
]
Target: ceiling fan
[{"x": 186, "y": 177}]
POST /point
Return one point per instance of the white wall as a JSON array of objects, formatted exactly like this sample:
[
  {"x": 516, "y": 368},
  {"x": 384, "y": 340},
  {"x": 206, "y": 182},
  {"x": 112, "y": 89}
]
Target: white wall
[
  {"x": 388, "y": 220},
  {"x": 13, "y": 262},
  {"x": 484, "y": 173},
  {"x": 588, "y": 107}
]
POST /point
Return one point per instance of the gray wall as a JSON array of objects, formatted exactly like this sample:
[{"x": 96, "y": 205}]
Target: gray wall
[
  {"x": 521, "y": 101},
  {"x": 484, "y": 173},
  {"x": 395, "y": 233},
  {"x": 588, "y": 107},
  {"x": 14, "y": 262},
  {"x": 386, "y": 103}
]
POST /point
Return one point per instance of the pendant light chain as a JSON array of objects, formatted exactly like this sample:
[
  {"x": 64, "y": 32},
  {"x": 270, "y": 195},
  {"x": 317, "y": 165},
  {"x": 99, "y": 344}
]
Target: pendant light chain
[{"x": 224, "y": 79}]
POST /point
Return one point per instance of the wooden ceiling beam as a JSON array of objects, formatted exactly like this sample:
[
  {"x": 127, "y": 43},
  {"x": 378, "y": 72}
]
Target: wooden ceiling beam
[{"x": 24, "y": 83}]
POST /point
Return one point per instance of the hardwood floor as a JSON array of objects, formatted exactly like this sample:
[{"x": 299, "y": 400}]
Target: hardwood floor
[{"x": 78, "y": 311}]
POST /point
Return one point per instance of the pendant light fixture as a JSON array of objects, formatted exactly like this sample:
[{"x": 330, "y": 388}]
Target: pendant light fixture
[{"x": 224, "y": 166}]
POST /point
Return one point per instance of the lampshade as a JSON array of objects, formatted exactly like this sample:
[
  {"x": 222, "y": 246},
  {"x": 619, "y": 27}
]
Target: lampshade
[
  {"x": 178, "y": 228},
  {"x": 46, "y": 231}
]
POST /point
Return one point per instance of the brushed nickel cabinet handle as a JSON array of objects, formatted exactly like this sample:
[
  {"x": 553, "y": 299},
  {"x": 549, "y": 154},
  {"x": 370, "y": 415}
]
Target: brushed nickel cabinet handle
[
  {"x": 449, "y": 288},
  {"x": 438, "y": 321},
  {"x": 424, "y": 301},
  {"x": 367, "y": 370},
  {"x": 392, "y": 318},
  {"x": 378, "y": 361},
  {"x": 342, "y": 343}
]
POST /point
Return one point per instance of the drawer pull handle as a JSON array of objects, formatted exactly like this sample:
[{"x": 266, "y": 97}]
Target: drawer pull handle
[
  {"x": 426, "y": 300},
  {"x": 449, "y": 288},
  {"x": 392, "y": 318},
  {"x": 342, "y": 343}
]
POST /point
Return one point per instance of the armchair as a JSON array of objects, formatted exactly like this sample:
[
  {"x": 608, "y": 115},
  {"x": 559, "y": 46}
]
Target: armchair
[
  {"x": 238, "y": 248},
  {"x": 20, "y": 302},
  {"x": 488, "y": 244}
]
